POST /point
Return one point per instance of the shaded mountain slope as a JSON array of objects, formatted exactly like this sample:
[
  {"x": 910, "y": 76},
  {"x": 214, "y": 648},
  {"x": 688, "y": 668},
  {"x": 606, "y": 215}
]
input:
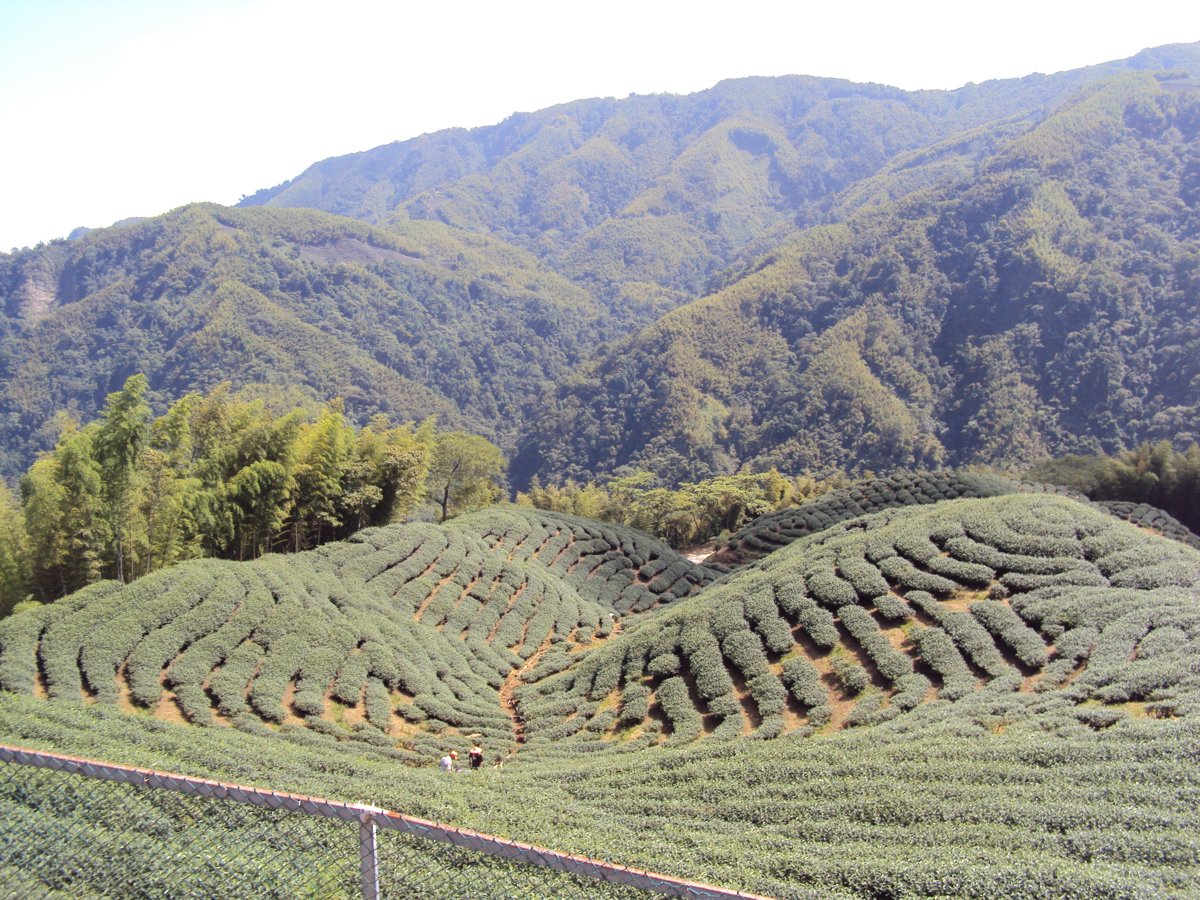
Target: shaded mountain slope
[
  {"x": 416, "y": 322},
  {"x": 1041, "y": 307}
]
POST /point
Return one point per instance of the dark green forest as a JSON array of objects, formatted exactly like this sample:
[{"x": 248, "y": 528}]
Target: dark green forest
[
  {"x": 798, "y": 273},
  {"x": 1020, "y": 313},
  {"x": 412, "y": 322}
]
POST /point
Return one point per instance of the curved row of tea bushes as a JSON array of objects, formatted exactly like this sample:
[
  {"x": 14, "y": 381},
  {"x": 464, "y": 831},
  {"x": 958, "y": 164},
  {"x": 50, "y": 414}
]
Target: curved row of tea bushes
[
  {"x": 1151, "y": 518},
  {"x": 772, "y": 531},
  {"x": 860, "y": 602},
  {"x": 415, "y": 623},
  {"x": 622, "y": 569},
  {"x": 971, "y": 638}
]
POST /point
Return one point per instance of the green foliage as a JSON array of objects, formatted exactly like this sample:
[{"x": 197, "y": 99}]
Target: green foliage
[
  {"x": 465, "y": 473},
  {"x": 1138, "y": 485},
  {"x": 410, "y": 321},
  {"x": 769, "y": 532},
  {"x": 1027, "y": 301},
  {"x": 687, "y": 515},
  {"x": 14, "y": 552},
  {"x": 215, "y": 475}
]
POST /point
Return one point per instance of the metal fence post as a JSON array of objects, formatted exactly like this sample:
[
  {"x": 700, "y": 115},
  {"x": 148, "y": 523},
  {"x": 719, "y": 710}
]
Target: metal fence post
[
  {"x": 368, "y": 852},
  {"x": 369, "y": 818}
]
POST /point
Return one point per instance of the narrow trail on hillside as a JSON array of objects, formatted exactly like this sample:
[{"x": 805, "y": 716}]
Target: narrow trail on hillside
[{"x": 508, "y": 702}]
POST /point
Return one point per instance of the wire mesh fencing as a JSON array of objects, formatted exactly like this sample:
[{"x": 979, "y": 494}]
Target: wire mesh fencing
[{"x": 81, "y": 828}]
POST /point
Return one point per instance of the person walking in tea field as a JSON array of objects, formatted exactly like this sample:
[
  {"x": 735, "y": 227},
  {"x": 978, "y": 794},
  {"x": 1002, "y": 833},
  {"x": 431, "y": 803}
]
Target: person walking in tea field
[
  {"x": 476, "y": 757},
  {"x": 447, "y": 763}
]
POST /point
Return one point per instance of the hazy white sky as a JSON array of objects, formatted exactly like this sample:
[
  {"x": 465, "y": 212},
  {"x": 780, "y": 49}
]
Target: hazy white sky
[{"x": 133, "y": 107}]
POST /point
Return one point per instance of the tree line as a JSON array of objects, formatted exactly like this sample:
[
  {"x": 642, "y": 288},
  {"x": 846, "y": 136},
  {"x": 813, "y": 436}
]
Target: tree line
[
  {"x": 1151, "y": 473},
  {"x": 220, "y": 476},
  {"x": 684, "y": 516}
]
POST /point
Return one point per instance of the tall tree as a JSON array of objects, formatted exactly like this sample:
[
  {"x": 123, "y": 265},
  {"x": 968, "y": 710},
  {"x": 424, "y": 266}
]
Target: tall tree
[
  {"x": 14, "y": 552},
  {"x": 124, "y": 426},
  {"x": 323, "y": 453},
  {"x": 64, "y": 510},
  {"x": 170, "y": 489},
  {"x": 467, "y": 473},
  {"x": 388, "y": 473}
]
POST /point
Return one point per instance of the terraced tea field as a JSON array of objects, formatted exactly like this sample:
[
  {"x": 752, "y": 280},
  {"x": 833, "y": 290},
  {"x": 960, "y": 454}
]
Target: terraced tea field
[
  {"x": 1032, "y": 595},
  {"x": 995, "y": 692},
  {"x": 406, "y": 637}
]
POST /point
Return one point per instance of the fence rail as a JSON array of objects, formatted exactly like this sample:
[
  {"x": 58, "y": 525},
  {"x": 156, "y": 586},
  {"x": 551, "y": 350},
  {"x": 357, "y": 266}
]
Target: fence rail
[{"x": 55, "y": 815}]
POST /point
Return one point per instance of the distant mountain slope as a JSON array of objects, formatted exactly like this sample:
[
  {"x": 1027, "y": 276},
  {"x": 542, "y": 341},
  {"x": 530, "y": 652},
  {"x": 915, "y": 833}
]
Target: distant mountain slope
[
  {"x": 414, "y": 321},
  {"x": 641, "y": 200},
  {"x": 1042, "y": 306},
  {"x": 893, "y": 279}
]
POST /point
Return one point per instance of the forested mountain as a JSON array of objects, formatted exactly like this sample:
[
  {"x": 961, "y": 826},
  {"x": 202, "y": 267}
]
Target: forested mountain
[
  {"x": 884, "y": 278},
  {"x": 1042, "y": 306},
  {"x": 413, "y": 321},
  {"x": 642, "y": 200}
]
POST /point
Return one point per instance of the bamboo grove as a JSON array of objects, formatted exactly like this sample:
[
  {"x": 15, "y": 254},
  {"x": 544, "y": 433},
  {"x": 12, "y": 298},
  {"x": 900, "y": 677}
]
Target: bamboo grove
[{"x": 222, "y": 476}]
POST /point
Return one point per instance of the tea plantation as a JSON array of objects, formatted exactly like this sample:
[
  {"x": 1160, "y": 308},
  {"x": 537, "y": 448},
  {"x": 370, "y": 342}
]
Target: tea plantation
[
  {"x": 991, "y": 694},
  {"x": 768, "y": 533},
  {"x": 402, "y": 638}
]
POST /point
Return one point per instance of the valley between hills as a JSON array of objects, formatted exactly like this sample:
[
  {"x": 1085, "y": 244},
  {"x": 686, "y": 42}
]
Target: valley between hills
[{"x": 960, "y": 660}]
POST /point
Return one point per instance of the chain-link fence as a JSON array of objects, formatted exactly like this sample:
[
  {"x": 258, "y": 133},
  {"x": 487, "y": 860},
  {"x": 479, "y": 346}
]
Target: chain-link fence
[{"x": 80, "y": 828}]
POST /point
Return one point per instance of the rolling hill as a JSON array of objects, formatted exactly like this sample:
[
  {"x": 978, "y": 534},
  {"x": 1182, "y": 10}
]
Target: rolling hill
[{"x": 959, "y": 697}]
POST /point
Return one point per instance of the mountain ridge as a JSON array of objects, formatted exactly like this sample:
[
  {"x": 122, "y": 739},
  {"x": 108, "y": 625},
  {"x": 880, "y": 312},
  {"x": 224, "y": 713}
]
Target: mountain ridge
[{"x": 733, "y": 191}]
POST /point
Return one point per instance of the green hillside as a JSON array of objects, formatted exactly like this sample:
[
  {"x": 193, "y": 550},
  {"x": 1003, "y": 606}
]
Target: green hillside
[
  {"x": 412, "y": 321},
  {"x": 887, "y": 279},
  {"x": 768, "y": 533},
  {"x": 1041, "y": 306},
  {"x": 959, "y": 698},
  {"x": 398, "y": 637}
]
